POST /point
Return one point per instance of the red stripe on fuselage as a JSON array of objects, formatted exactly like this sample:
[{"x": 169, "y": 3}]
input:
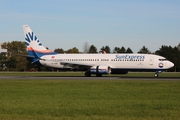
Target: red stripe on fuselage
[{"x": 41, "y": 51}]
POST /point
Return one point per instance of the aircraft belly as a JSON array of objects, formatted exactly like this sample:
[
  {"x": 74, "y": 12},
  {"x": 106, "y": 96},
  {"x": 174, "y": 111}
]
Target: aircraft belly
[{"x": 51, "y": 64}]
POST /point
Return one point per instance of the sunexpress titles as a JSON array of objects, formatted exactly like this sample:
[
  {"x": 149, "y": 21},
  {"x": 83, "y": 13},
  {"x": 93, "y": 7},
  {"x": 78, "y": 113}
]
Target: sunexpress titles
[{"x": 130, "y": 57}]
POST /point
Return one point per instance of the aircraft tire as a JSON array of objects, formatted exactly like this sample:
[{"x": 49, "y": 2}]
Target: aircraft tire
[{"x": 156, "y": 75}]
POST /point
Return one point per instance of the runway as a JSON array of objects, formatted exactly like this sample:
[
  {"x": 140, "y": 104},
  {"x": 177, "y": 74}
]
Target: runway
[{"x": 83, "y": 78}]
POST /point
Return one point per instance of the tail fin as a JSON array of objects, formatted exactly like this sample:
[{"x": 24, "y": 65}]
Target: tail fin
[{"x": 33, "y": 43}]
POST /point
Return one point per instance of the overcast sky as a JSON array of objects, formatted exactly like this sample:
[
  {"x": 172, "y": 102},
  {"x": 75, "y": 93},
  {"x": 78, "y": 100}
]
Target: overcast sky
[{"x": 116, "y": 23}]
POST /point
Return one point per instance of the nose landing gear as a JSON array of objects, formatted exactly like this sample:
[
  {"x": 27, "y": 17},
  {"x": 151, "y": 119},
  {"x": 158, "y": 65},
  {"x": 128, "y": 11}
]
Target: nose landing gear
[{"x": 157, "y": 73}]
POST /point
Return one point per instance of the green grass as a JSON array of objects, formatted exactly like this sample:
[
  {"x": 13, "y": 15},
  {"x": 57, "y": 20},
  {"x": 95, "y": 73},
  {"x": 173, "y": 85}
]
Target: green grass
[
  {"x": 89, "y": 100},
  {"x": 130, "y": 74}
]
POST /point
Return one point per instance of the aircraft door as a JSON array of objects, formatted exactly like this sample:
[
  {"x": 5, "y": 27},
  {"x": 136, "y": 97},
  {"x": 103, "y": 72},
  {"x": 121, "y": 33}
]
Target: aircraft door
[{"x": 151, "y": 60}]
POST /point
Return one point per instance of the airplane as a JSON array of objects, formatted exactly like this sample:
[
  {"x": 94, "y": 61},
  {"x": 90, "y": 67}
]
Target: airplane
[{"x": 97, "y": 64}]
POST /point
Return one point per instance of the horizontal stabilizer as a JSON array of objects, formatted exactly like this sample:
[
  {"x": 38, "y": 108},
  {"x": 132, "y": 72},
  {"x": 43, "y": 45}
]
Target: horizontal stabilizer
[{"x": 28, "y": 56}]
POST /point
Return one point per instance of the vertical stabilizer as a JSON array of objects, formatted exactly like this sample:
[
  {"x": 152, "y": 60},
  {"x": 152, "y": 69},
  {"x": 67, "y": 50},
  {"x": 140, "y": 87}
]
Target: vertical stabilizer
[
  {"x": 33, "y": 43},
  {"x": 31, "y": 40}
]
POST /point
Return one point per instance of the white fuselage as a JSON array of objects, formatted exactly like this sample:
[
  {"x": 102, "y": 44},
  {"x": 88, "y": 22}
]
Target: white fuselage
[
  {"x": 114, "y": 61},
  {"x": 92, "y": 63}
]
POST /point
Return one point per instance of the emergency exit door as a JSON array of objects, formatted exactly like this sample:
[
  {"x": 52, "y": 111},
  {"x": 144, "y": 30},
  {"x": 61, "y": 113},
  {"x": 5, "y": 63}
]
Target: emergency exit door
[{"x": 151, "y": 60}]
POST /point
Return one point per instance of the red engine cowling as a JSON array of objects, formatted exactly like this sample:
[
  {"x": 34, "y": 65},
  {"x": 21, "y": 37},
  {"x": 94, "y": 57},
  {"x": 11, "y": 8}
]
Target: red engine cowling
[{"x": 100, "y": 70}]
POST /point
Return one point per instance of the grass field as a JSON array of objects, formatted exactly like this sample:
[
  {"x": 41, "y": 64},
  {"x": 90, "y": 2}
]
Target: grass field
[
  {"x": 130, "y": 74},
  {"x": 89, "y": 99}
]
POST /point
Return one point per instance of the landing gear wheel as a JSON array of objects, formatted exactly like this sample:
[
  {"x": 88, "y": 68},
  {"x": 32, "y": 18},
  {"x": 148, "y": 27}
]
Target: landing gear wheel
[
  {"x": 87, "y": 74},
  {"x": 156, "y": 75}
]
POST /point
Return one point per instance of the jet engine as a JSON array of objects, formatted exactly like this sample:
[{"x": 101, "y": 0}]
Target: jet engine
[{"x": 100, "y": 70}]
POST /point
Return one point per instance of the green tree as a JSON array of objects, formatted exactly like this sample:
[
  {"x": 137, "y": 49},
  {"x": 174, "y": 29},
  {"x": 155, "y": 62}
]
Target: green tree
[
  {"x": 144, "y": 50},
  {"x": 73, "y": 50},
  {"x": 15, "y": 48},
  {"x": 165, "y": 51},
  {"x": 11, "y": 63},
  {"x": 59, "y": 50},
  {"x": 3, "y": 59},
  {"x": 92, "y": 49},
  {"x": 178, "y": 46},
  {"x": 119, "y": 50},
  {"x": 106, "y": 49},
  {"x": 123, "y": 50},
  {"x": 129, "y": 50},
  {"x": 172, "y": 54},
  {"x": 116, "y": 50}
]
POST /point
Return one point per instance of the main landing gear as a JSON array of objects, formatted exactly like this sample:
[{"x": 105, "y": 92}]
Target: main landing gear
[{"x": 88, "y": 74}]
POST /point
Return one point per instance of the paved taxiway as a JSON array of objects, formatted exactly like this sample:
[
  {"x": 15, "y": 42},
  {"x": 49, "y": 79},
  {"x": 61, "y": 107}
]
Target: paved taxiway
[{"x": 83, "y": 78}]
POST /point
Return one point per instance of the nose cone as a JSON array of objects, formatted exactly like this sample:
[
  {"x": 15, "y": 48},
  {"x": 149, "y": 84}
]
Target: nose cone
[{"x": 170, "y": 64}]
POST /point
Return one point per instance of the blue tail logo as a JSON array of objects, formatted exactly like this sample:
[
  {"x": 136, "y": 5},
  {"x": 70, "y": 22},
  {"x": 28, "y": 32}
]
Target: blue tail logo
[{"x": 32, "y": 37}]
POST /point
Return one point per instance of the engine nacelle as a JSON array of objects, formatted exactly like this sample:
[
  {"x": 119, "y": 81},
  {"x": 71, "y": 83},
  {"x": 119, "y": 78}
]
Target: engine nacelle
[{"x": 100, "y": 70}]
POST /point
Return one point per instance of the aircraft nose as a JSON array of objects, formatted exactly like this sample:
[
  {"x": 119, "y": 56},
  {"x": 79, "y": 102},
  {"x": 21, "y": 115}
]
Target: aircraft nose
[{"x": 170, "y": 64}]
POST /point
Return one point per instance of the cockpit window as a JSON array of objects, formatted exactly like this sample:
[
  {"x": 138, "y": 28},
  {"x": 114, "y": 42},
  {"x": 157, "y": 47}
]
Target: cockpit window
[{"x": 162, "y": 59}]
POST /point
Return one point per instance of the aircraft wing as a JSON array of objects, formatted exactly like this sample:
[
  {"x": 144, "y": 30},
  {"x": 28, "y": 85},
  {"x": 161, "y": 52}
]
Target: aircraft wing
[{"x": 76, "y": 64}]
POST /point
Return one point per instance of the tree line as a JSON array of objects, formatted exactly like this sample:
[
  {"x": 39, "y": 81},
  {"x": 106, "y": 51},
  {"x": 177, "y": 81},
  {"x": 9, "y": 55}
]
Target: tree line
[{"x": 12, "y": 61}]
